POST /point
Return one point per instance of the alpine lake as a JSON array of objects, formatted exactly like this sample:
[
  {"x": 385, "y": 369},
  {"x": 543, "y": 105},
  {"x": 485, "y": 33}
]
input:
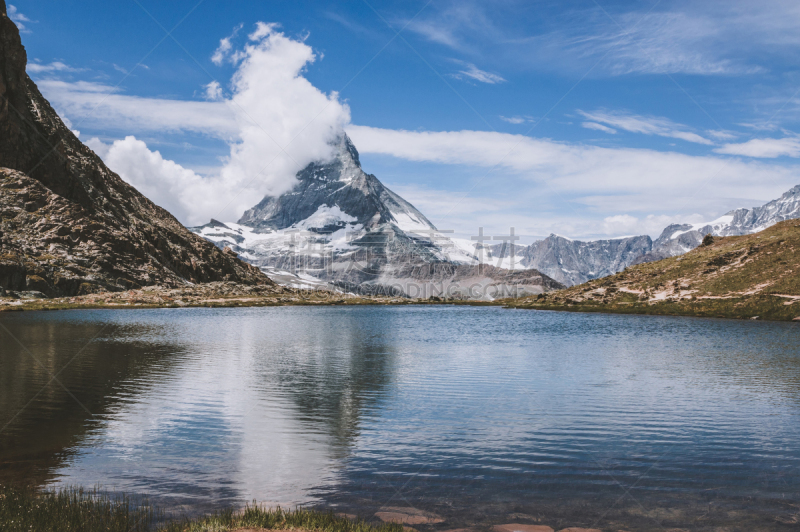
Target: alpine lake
[{"x": 477, "y": 415}]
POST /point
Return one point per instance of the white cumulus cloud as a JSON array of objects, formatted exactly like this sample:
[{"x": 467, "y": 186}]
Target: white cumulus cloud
[
  {"x": 276, "y": 123},
  {"x": 284, "y": 122},
  {"x": 213, "y": 91},
  {"x": 169, "y": 185}
]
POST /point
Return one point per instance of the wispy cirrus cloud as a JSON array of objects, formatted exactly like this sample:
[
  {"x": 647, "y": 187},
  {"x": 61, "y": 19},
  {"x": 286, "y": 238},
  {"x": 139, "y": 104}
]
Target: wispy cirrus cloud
[
  {"x": 436, "y": 33},
  {"x": 637, "y": 181},
  {"x": 451, "y": 23},
  {"x": 646, "y": 125},
  {"x": 721, "y": 134},
  {"x": 766, "y": 148},
  {"x": 599, "y": 127},
  {"x": 97, "y": 105},
  {"x": 474, "y": 73},
  {"x": 55, "y": 66},
  {"x": 712, "y": 38},
  {"x": 517, "y": 120},
  {"x": 676, "y": 42}
]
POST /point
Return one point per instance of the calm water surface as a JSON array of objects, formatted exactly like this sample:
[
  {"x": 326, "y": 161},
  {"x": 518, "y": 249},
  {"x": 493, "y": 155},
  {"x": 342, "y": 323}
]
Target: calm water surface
[{"x": 482, "y": 415}]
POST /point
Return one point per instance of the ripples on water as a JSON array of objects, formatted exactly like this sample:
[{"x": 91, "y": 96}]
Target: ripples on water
[{"x": 482, "y": 415}]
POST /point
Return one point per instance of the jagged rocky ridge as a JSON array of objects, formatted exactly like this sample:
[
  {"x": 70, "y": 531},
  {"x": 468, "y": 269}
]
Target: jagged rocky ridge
[
  {"x": 677, "y": 239},
  {"x": 342, "y": 228},
  {"x": 69, "y": 225},
  {"x": 572, "y": 262}
]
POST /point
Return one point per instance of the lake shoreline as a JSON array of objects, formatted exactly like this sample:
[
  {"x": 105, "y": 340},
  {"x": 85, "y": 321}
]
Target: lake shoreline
[
  {"x": 213, "y": 295},
  {"x": 760, "y": 308}
]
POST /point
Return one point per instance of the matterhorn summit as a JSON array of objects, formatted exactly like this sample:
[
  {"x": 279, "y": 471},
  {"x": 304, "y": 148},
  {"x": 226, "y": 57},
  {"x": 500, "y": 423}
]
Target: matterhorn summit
[{"x": 335, "y": 195}]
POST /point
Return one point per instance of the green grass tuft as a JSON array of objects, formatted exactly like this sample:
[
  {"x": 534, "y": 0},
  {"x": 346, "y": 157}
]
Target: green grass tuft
[
  {"x": 258, "y": 517},
  {"x": 78, "y": 510},
  {"x": 71, "y": 510}
]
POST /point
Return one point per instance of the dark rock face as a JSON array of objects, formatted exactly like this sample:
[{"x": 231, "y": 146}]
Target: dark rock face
[{"x": 68, "y": 225}]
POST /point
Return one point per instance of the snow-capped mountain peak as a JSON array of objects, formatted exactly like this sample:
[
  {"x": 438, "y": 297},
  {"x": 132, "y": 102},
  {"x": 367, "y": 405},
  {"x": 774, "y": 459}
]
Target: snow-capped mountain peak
[{"x": 340, "y": 192}]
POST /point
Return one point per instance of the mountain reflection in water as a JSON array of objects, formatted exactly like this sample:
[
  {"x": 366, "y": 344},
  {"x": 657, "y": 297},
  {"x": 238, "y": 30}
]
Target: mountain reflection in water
[{"x": 476, "y": 414}]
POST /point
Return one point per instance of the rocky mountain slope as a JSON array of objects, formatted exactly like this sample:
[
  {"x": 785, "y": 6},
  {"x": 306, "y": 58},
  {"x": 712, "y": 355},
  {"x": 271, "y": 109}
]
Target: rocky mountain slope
[
  {"x": 749, "y": 276},
  {"x": 342, "y": 228},
  {"x": 69, "y": 225}
]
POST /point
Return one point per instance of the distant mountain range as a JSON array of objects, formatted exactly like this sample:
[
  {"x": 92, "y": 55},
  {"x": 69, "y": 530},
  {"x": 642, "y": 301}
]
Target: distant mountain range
[
  {"x": 573, "y": 262},
  {"x": 341, "y": 227}
]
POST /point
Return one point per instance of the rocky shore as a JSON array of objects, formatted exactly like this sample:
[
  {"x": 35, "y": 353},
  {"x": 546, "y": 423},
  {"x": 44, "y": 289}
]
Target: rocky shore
[
  {"x": 216, "y": 294},
  {"x": 411, "y": 516}
]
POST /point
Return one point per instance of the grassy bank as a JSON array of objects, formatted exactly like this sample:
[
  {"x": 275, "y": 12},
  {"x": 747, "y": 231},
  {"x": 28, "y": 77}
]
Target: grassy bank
[
  {"x": 750, "y": 276},
  {"x": 769, "y": 308},
  {"x": 76, "y": 510}
]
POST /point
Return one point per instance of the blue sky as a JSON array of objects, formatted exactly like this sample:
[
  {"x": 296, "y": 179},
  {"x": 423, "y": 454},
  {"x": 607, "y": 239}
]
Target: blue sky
[{"x": 586, "y": 118}]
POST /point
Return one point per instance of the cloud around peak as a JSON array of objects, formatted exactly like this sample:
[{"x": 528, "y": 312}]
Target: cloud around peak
[{"x": 275, "y": 122}]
